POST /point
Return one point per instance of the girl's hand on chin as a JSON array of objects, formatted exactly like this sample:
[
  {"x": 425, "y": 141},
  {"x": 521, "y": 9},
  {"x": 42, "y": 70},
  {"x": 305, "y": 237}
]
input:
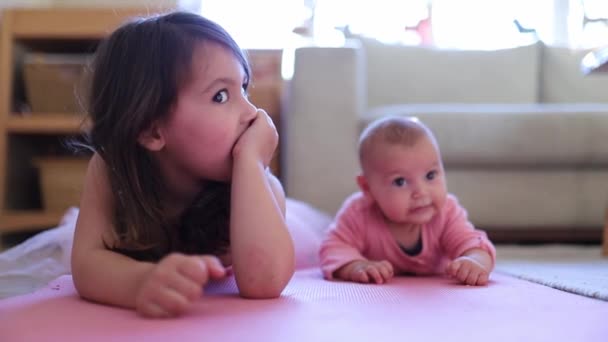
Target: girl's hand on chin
[{"x": 259, "y": 141}]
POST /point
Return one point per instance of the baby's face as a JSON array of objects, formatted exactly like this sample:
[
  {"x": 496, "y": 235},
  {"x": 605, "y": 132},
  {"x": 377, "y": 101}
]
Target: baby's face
[{"x": 407, "y": 182}]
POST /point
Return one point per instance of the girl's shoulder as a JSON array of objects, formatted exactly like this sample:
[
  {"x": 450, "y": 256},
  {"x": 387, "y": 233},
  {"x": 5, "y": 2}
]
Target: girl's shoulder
[{"x": 97, "y": 167}]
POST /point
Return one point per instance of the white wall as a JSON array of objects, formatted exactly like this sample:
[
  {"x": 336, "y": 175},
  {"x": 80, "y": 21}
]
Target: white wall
[{"x": 89, "y": 3}]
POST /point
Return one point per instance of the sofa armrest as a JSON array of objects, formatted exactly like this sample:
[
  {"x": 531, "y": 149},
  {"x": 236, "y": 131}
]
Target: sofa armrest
[{"x": 324, "y": 102}]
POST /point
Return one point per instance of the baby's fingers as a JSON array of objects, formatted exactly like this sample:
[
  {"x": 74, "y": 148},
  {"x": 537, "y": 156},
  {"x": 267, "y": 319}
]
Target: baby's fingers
[
  {"x": 386, "y": 269},
  {"x": 374, "y": 273},
  {"x": 483, "y": 279},
  {"x": 453, "y": 268},
  {"x": 472, "y": 277},
  {"x": 359, "y": 275},
  {"x": 463, "y": 272}
]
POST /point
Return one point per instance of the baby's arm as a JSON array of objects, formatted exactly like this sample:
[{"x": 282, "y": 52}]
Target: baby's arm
[
  {"x": 366, "y": 271},
  {"x": 341, "y": 252},
  {"x": 155, "y": 290},
  {"x": 473, "y": 254},
  {"x": 472, "y": 268},
  {"x": 262, "y": 249}
]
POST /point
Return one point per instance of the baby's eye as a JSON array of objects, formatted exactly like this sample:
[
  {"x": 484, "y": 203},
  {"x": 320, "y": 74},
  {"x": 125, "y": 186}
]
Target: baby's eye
[
  {"x": 244, "y": 89},
  {"x": 399, "y": 181},
  {"x": 431, "y": 175},
  {"x": 221, "y": 96}
]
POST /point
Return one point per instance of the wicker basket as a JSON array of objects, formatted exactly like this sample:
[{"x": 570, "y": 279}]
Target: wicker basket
[
  {"x": 61, "y": 180},
  {"x": 53, "y": 80}
]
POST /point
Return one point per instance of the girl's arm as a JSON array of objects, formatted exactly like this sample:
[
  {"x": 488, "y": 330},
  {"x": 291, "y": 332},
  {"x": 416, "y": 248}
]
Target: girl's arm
[
  {"x": 262, "y": 250},
  {"x": 154, "y": 290},
  {"x": 99, "y": 274}
]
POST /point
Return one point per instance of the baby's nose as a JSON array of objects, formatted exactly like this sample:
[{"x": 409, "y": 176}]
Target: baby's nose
[{"x": 418, "y": 191}]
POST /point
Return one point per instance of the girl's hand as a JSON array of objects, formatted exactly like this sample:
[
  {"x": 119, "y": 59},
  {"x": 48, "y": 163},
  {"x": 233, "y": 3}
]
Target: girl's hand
[
  {"x": 468, "y": 271},
  {"x": 175, "y": 283},
  {"x": 365, "y": 271},
  {"x": 259, "y": 140}
]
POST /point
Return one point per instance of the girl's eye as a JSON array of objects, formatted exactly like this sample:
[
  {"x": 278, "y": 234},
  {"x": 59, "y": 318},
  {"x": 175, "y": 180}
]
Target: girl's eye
[
  {"x": 221, "y": 96},
  {"x": 399, "y": 181},
  {"x": 431, "y": 175}
]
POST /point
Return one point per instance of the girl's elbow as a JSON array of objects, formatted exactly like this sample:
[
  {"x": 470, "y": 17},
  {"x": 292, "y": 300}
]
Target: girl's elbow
[
  {"x": 268, "y": 291},
  {"x": 255, "y": 293},
  {"x": 265, "y": 289},
  {"x": 80, "y": 283}
]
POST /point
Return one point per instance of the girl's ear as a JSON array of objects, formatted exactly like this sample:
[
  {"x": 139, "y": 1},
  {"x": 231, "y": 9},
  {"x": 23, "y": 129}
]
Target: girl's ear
[
  {"x": 152, "y": 138},
  {"x": 363, "y": 185}
]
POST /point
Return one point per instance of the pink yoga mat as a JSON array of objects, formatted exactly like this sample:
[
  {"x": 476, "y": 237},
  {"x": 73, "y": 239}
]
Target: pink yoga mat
[{"x": 313, "y": 309}]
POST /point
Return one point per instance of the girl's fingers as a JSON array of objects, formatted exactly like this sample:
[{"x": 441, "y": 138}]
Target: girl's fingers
[
  {"x": 195, "y": 269},
  {"x": 153, "y": 310},
  {"x": 187, "y": 287},
  {"x": 172, "y": 302},
  {"x": 214, "y": 266}
]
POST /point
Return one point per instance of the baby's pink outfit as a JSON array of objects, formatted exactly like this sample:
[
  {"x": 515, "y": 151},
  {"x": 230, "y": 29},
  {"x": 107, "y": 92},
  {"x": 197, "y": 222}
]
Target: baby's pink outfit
[{"x": 360, "y": 232}]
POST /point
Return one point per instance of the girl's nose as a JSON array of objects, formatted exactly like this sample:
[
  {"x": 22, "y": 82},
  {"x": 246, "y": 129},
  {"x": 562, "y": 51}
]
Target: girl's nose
[{"x": 249, "y": 110}]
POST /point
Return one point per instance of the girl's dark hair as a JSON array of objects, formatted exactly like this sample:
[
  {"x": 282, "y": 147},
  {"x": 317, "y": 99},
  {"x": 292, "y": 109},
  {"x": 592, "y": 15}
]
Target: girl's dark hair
[{"x": 137, "y": 74}]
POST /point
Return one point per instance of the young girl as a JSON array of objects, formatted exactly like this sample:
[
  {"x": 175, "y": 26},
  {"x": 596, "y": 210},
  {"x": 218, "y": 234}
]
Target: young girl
[
  {"x": 178, "y": 188},
  {"x": 403, "y": 220}
]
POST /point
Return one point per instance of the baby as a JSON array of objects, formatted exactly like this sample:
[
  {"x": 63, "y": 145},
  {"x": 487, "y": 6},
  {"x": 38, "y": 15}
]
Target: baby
[{"x": 403, "y": 221}]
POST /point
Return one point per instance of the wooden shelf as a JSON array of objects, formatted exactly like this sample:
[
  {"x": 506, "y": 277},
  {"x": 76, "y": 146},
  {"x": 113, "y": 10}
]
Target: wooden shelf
[
  {"x": 46, "y": 123},
  {"x": 58, "y": 29},
  {"x": 28, "y": 220},
  {"x": 46, "y": 29},
  {"x": 68, "y": 23}
]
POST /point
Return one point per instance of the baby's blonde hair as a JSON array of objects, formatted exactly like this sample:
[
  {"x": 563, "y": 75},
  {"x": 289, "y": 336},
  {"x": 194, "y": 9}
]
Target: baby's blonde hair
[{"x": 392, "y": 130}]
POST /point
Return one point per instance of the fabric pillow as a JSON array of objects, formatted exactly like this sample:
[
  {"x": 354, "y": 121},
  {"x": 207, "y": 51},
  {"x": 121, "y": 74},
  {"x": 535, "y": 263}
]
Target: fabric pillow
[{"x": 307, "y": 226}]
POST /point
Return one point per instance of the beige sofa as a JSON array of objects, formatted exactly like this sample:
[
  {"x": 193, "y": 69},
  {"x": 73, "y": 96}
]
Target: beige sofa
[{"x": 524, "y": 134}]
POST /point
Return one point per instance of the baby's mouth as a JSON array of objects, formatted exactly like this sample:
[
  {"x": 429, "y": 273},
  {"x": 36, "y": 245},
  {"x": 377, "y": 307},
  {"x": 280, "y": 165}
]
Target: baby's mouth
[{"x": 420, "y": 208}]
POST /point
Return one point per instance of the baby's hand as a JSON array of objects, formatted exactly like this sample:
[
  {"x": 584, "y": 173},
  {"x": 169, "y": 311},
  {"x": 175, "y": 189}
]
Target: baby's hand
[
  {"x": 468, "y": 271},
  {"x": 365, "y": 271},
  {"x": 259, "y": 140},
  {"x": 175, "y": 283}
]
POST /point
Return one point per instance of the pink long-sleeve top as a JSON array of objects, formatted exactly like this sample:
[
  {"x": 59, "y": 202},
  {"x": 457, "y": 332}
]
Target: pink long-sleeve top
[{"x": 359, "y": 231}]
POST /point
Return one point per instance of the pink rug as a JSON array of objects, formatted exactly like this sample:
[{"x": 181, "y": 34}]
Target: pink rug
[{"x": 312, "y": 309}]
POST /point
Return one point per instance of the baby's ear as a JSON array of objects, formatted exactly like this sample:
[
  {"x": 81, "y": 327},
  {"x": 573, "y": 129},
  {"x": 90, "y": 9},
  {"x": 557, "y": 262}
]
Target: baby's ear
[
  {"x": 152, "y": 138},
  {"x": 363, "y": 185}
]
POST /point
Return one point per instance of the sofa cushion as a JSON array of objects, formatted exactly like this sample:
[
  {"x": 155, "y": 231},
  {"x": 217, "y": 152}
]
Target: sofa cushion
[
  {"x": 528, "y": 198},
  {"x": 533, "y": 135},
  {"x": 562, "y": 80},
  {"x": 412, "y": 74}
]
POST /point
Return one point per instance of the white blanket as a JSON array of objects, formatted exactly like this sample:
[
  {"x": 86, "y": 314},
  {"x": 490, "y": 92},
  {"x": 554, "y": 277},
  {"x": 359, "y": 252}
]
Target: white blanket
[
  {"x": 45, "y": 256},
  {"x": 40, "y": 259},
  {"x": 576, "y": 269}
]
